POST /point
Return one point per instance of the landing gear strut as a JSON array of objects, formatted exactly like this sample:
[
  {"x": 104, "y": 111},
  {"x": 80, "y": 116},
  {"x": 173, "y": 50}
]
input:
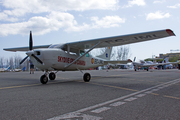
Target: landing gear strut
[{"x": 87, "y": 77}]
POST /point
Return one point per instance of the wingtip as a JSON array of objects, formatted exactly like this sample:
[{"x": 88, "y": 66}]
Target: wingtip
[{"x": 170, "y": 32}]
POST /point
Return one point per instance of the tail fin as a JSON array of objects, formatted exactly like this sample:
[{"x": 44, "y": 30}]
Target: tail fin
[
  {"x": 166, "y": 60},
  {"x": 8, "y": 67},
  {"x": 107, "y": 54},
  {"x": 134, "y": 59}
]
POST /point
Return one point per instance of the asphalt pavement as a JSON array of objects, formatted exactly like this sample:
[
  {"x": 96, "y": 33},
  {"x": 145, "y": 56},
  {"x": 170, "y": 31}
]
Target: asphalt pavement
[{"x": 112, "y": 95}]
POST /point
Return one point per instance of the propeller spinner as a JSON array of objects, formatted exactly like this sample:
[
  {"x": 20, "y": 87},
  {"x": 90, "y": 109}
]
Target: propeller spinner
[{"x": 31, "y": 52}]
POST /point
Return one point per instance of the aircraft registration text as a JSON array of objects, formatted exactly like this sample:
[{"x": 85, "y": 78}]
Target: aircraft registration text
[{"x": 69, "y": 60}]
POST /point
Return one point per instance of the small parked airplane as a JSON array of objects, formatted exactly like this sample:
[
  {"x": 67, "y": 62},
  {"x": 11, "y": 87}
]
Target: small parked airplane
[
  {"x": 19, "y": 70},
  {"x": 147, "y": 64},
  {"x": 72, "y": 56},
  {"x": 5, "y": 69}
]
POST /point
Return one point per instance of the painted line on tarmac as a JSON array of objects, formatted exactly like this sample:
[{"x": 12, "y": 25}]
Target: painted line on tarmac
[
  {"x": 2, "y": 88},
  {"x": 108, "y": 105}
]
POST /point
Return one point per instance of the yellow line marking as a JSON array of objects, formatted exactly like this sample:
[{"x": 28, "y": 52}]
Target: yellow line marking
[
  {"x": 154, "y": 94},
  {"x": 18, "y": 86},
  {"x": 172, "y": 97}
]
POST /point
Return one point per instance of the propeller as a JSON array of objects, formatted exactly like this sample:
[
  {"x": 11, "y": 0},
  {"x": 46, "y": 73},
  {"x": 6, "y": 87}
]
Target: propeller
[{"x": 31, "y": 52}]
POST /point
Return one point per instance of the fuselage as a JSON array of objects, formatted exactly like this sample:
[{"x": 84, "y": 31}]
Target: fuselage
[{"x": 57, "y": 59}]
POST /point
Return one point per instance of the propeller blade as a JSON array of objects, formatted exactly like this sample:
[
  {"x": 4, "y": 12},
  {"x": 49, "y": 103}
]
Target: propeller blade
[
  {"x": 23, "y": 60},
  {"x": 30, "y": 41},
  {"x": 37, "y": 59}
]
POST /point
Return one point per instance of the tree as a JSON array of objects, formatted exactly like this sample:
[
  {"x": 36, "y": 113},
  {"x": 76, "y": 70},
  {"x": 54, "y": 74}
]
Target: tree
[
  {"x": 122, "y": 53},
  {"x": 1, "y": 62}
]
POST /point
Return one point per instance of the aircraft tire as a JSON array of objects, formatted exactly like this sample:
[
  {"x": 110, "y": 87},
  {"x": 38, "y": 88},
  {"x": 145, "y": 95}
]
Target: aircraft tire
[
  {"x": 44, "y": 79},
  {"x": 52, "y": 76},
  {"x": 87, "y": 77}
]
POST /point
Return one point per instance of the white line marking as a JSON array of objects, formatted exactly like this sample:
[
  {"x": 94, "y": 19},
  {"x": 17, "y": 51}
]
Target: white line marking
[
  {"x": 117, "y": 104},
  {"x": 141, "y": 95},
  {"x": 117, "y": 99},
  {"x": 155, "y": 90},
  {"x": 77, "y": 116},
  {"x": 99, "y": 110},
  {"x": 130, "y": 99},
  {"x": 148, "y": 92}
]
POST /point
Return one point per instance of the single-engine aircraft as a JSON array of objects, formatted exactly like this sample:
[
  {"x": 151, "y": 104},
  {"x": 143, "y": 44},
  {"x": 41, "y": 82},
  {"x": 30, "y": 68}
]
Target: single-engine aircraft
[{"x": 72, "y": 56}]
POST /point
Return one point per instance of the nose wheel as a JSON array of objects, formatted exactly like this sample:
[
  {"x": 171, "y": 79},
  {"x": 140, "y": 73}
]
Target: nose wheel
[
  {"x": 52, "y": 76},
  {"x": 44, "y": 79}
]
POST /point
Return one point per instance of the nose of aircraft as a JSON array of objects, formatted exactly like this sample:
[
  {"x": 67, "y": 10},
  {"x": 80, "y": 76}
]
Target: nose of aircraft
[{"x": 29, "y": 53}]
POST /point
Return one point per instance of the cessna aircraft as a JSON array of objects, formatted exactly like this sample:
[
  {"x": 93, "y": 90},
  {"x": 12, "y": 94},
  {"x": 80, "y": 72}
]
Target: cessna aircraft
[
  {"x": 147, "y": 64},
  {"x": 72, "y": 56}
]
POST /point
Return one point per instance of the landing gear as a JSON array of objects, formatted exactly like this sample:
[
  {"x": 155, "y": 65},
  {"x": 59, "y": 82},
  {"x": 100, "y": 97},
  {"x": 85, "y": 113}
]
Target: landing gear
[
  {"x": 52, "y": 76},
  {"x": 87, "y": 77},
  {"x": 44, "y": 79}
]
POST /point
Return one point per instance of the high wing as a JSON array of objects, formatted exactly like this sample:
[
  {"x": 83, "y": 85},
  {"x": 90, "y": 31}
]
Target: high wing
[
  {"x": 121, "y": 40},
  {"x": 108, "y": 41},
  {"x": 25, "y": 48}
]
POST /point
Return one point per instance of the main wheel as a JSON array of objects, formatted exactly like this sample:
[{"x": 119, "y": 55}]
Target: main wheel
[
  {"x": 87, "y": 77},
  {"x": 52, "y": 76},
  {"x": 44, "y": 79}
]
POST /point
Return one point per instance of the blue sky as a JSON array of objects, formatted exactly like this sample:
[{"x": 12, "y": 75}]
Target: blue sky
[{"x": 61, "y": 21}]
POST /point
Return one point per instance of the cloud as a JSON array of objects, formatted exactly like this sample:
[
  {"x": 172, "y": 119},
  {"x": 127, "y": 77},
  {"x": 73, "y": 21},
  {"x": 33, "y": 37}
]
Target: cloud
[
  {"x": 174, "y": 6},
  {"x": 20, "y": 7},
  {"x": 4, "y": 17},
  {"x": 157, "y": 15},
  {"x": 58, "y": 20},
  {"x": 159, "y": 1},
  {"x": 135, "y": 2},
  {"x": 46, "y": 16},
  {"x": 107, "y": 22},
  {"x": 40, "y": 25}
]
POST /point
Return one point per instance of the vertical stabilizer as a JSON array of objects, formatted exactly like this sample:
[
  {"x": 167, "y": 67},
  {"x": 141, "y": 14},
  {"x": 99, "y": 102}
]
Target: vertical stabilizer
[
  {"x": 107, "y": 54},
  {"x": 166, "y": 60}
]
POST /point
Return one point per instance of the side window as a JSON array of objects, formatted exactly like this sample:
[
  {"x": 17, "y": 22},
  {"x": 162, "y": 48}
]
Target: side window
[
  {"x": 87, "y": 55},
  {"x": 82, "y": 52}
]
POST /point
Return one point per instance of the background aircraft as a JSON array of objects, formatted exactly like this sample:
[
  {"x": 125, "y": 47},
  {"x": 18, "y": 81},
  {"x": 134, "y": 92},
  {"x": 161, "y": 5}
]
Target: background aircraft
[
  {"x": 72, "y": 56},
  {"x": 5, "y": 69},
  {"x": 147, "y": 64},
  {"x": 19, "y": 70}
]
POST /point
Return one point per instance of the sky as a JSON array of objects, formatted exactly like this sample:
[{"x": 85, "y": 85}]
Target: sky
[{"x": 61, "y": 21}]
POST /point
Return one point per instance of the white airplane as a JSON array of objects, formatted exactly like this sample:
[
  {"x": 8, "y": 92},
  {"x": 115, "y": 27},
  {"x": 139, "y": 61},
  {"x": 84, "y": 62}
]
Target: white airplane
[
  {"x": 147, "y": 64},
  {"x": 169, "y": 64},
  {"x": 19, "y": 70},
  {"x": 5, "y": 69},
  {"x": 71, "y": 56}
]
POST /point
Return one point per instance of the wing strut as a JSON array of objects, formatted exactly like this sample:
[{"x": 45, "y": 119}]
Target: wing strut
[{"x": 82, "y": 55}]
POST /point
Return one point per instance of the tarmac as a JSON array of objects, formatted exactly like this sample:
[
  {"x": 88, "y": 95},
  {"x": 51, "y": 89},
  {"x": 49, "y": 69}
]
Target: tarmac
[{"x": 112, "y": 95}]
